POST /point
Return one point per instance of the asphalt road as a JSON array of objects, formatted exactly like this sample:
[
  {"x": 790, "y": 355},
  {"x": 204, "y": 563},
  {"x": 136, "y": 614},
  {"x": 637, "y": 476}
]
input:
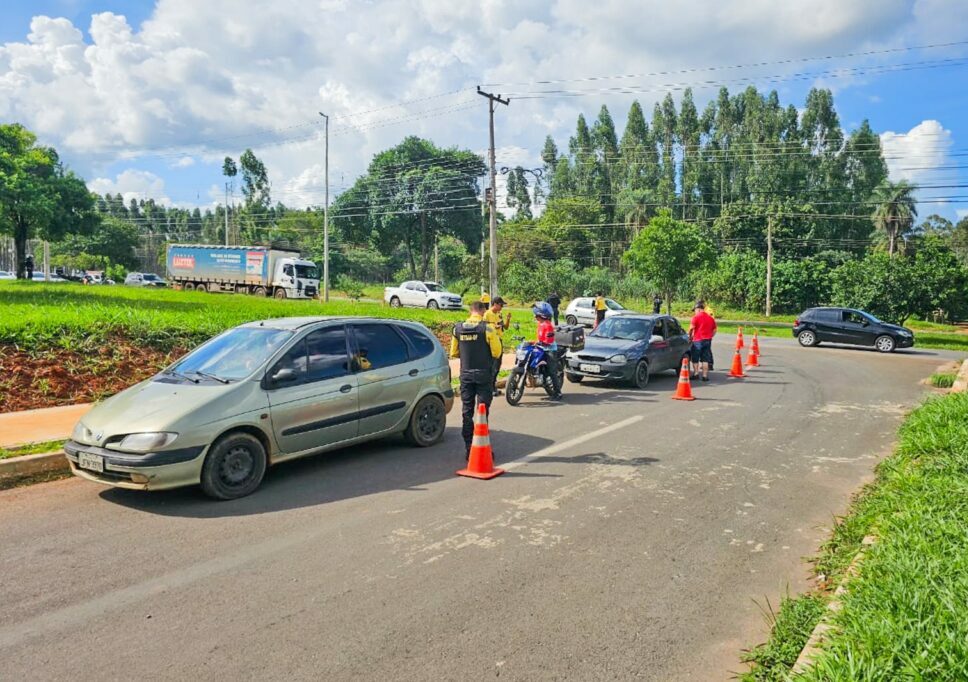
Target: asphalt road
[{"x": 633, "y": 537}]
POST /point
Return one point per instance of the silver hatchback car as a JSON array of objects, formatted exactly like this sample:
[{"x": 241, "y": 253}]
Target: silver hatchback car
[{"x": 262, "y": 393}]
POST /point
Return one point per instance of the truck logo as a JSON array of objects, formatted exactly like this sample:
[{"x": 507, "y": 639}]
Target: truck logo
[
  {"x": 254, "y": 261},
  {"x": 183, "y": 262}
]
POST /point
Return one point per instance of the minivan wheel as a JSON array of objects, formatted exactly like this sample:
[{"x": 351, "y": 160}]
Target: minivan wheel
[
  {"x": 571, "y": 319},
  {"x": 885, "y": 343},
  {"x": 427, "y": 422},
  {"x": 234, "y": 466},
  {"x": 807, "y": 338}
]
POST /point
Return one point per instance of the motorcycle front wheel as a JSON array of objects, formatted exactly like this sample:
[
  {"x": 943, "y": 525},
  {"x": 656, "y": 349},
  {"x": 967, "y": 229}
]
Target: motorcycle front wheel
[{"x": 514, "y": 390}]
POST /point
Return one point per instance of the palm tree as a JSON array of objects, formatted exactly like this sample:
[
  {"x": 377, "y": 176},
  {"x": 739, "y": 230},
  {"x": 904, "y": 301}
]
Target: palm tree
[{"x": 895, "y": 210}]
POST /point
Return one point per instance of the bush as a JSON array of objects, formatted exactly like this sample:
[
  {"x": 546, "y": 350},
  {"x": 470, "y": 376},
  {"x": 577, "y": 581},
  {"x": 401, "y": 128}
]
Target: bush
[{"x": 350, "y": 287}]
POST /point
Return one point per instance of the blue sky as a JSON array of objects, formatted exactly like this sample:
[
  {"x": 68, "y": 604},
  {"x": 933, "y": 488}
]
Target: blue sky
[{"x": 126, "y": 102}]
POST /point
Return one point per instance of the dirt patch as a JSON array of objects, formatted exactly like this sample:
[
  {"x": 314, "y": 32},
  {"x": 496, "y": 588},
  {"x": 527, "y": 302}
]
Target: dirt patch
[{"x": 30, "y": 380}]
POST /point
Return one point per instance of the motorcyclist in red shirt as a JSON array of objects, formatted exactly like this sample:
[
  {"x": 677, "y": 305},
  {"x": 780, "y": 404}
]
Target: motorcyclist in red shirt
[{"x": 546, "y": 339}]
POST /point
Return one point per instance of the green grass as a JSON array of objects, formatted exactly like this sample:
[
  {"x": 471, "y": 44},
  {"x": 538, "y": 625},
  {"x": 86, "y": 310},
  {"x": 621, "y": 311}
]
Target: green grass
[
  {"x": 791, "y": 628},
  {"x": 903, "y": 615},
  {"x": 946, "y": 380},
  {"x": 36, "y": 316},
  {"x": 31, "y": 449}
]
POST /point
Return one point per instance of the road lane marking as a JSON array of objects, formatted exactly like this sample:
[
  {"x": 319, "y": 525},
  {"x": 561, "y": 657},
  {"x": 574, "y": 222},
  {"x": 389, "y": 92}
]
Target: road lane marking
[{"x": 559, "y": 447}]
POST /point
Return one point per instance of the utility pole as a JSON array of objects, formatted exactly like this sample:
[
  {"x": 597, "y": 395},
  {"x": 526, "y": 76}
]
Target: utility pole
[
  {"x": 226, "y": 214},
  {"x": 769, "y": 266},
  {"x": 436, "y": 261},
  {"x": 326, "y": 215},
  {"x": 491, "y": 99}
]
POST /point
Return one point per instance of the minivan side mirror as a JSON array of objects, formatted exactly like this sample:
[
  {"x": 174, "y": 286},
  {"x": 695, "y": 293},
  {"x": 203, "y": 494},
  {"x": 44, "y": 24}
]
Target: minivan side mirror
[{"x": 284, "y": 375}]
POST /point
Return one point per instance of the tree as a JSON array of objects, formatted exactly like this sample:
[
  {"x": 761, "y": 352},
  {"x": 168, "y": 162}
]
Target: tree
[
  {"x": 114, "y": 241},
  {"x": 411, "y": 195},
  {"x": 667, "y": 251},
  {"x": 895, "y": 210},
  {"x": 517, "y": 193},
  {"x": 38, "y": 197}
]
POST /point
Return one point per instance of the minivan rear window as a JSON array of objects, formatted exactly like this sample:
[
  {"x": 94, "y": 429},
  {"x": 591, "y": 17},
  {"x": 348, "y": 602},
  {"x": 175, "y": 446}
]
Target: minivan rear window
[{"x": 422, "y": 344}]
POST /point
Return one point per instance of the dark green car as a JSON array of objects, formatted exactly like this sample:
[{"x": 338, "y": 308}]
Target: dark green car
[{"x": 262, "y": 393}]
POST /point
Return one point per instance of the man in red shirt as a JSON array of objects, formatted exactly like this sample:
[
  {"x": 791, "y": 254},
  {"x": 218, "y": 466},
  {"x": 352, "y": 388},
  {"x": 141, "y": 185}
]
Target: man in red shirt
[{"x": 702, "y": 329}]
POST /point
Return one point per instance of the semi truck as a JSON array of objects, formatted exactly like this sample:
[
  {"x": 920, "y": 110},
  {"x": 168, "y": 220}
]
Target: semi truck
[{"x": 255, "y": 270}]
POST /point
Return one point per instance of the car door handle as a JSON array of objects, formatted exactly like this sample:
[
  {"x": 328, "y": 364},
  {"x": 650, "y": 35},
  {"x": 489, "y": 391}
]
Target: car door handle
[
  {"x": 345, "y": 388},
  {"x": 414, "y": 372}
]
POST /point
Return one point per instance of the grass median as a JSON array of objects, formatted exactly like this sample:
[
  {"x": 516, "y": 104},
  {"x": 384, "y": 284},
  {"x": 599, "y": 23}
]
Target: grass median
[{"x": 903, "y": 615}]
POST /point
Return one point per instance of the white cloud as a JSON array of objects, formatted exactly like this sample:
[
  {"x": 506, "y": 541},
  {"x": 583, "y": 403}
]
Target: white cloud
[
  {"x": 919, "y": 154},
  {"x": 132, "y": 184},
  {"x": 202, "y": 79}
]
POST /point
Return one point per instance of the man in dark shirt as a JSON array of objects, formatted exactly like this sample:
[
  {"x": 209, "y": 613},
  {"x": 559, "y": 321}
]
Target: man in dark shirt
[{"x": 554, "y": 300}]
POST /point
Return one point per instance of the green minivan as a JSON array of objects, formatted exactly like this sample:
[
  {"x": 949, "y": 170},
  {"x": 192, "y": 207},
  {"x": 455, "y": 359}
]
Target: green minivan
[{"x": 262, "y": 393}]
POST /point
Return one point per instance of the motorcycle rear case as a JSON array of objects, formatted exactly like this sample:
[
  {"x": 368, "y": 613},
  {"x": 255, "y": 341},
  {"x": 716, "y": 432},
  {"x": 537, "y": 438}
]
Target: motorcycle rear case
[{"x": 570, "y": 336}]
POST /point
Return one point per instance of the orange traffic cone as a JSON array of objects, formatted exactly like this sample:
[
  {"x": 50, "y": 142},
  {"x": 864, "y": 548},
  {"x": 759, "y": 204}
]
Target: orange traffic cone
[
  {"x": 480, "y": 464},
  {"x": 684, "y": 389},
  {"x": 739, "y": 338},
  {"x": 737, "y": 369},
  {"x": 756, "y": 344},
  {"x": 753, "y": 357}
]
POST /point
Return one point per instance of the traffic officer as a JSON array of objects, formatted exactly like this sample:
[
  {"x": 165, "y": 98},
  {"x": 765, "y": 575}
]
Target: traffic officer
[
  {"x": 501, "y": 324},
  {"x": 477, "y": 345}
]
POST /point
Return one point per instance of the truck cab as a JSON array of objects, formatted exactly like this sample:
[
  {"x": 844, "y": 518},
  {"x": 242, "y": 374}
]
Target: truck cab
[{"x": 295, "y": 278}]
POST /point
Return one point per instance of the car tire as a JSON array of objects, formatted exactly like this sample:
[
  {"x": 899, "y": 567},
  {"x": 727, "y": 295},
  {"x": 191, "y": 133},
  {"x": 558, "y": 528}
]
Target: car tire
[
  {"x": 885, "y": 343},
  {"x": 514, "y": 390},
  {"x": 573, "y": 378},
  {"x": 234, "y": 466},
  {"x": 807, "y": 338},
  {"x": 280, "y": 294},
  {"x": 427, "y": 422},
  {"x": 432, "y": 304},
  {"x": 640, "y": 379},
  {"x": 394, "y": 302},
  {"x": 571, "y": 319}
]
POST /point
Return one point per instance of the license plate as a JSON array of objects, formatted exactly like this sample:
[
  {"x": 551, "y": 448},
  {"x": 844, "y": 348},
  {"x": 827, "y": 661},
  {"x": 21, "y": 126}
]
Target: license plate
[
  {"x": 591, "y": 369},
  {"x": 91, "y": 462}
]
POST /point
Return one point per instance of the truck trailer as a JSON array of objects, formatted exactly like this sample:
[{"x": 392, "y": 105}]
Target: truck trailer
[{"x": 256, "y": 270}]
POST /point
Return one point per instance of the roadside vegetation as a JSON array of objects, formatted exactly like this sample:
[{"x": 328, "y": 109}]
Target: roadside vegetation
[
  {"x": 902, "y": 616},
  {"x": 943, "y": 380},
  {"x": 31, "y": 449}
]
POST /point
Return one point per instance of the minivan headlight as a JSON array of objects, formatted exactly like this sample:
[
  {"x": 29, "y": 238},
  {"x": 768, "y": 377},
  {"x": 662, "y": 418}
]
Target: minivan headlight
[
  {"x": 81, "y": 433},
  {"x": 144, "y": 442}
]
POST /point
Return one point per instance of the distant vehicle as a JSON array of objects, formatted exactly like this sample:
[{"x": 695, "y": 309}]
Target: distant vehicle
[
  {"x": 418, "y": 294},
  {"x": 849, "y": 326},
  {"x": 582, "y": 310},
  {"x": 7, "y": 275},
  {"x": 39, "y": 277},
  {"x": 144, "y": 279},
  {"x": 263, "y": 393},
  {"x": 256, "y": 270},
  {"x": 629, "y": 348}
]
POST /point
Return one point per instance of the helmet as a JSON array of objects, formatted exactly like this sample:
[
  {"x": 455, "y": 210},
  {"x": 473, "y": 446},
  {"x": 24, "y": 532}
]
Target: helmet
[{"x": 542, "y": 309}]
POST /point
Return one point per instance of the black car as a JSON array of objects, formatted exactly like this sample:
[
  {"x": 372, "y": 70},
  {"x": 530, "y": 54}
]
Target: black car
[
  {"x": 629, "y": 348},
  {"x": 849, "y": 326}
]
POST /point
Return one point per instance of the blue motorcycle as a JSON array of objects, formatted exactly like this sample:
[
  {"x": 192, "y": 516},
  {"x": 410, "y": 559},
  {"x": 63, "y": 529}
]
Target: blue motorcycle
[{"x": 531, "y": 369}]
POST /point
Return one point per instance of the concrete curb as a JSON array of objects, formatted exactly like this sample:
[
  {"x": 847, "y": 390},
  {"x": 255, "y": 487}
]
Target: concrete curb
[
  {"x": 812, "y": 648},
  {"x": 961, "y": 383},
  {"x": 30, "y": 465}
]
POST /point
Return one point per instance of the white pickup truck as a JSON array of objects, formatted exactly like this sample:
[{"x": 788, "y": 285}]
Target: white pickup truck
[{"x": 418, "y": 294}]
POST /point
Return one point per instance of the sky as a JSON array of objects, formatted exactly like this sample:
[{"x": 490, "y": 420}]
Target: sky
[{"x": 146, "y": 98}]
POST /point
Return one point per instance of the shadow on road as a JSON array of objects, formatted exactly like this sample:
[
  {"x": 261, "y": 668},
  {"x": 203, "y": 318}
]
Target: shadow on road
[{"x": 367, "y": 469}]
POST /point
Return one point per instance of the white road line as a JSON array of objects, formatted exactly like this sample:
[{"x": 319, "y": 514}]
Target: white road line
[{"x": 558, "y": 447}]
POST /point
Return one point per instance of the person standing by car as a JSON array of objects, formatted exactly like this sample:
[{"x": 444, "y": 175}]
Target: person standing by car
[
  {"x": 546, "y": 339},
  {"x": 477, "y": 345},
  {"x": 29, "y": 266},
  {"x": 600, "y": 308},
  {"x": 656, "y": 304},
  {"x": 500, "y": 325},
  {"x": 554, "y": 300},
  {"x": 702, "y": 329}
]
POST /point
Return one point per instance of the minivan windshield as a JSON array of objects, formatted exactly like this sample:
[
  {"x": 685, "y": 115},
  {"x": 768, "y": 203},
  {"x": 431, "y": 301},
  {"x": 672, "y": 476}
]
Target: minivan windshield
[
  {"x": 149, "y": 277},
  {"x": 233, "y": 355},
  {"x": 625, "y": 328}
]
